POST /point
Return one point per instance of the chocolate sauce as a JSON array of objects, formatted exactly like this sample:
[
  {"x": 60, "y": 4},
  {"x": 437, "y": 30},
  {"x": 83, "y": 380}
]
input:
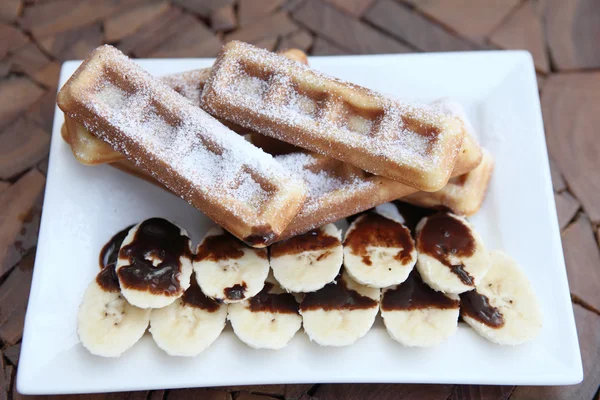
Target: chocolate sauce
[
  {"x": 444, "y": 236},
  {"x": 309, "y": 241},
  {"x": 376, "y": 230},
  {"x": 110, "y": 251},
  {"x": 194, "y": 297},
  {"x": 353, "y": 217},
  {"x": 413, "y": 214},
  {"x": 459, "y": 270},
  {"x": 477, "y": 306},
  {"x": 336, "y": 296},
  {"x": 284, "y": 303},
  {"x": 156, "y": 238},
  {"x": 261, "y": 236},
  {"x": 414, "y": 294},
  {"x": 107, "y": 277},
  {"x": 236, "y": 292},
  {"x": 224, "y": 247}
]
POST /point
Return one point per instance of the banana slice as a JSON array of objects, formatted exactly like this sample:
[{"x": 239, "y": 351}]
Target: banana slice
[
  {"x": 452, "y": 257},
  {"x": 227, "y": 270},
  {"x": 107, "y": 324},
  {"x": 189, "y": 325},
  {"x": 503, "y": 308},
  {"x": 340, "y": 313},
  {"x": 416, "y": 315},
  {"x": 268, "y": 320},
  {"x": 378, "y": 249},
  {"x": 307, "y": 262},
  {"x": 155, "y": 263}
]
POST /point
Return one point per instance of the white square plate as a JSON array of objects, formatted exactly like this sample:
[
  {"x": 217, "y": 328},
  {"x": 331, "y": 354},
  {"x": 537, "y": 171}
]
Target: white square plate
[{"x": 84, "y": 206}]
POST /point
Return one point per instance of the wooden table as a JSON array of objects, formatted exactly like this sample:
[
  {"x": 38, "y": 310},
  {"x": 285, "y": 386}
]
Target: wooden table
[{"x": 562, "y": 35}]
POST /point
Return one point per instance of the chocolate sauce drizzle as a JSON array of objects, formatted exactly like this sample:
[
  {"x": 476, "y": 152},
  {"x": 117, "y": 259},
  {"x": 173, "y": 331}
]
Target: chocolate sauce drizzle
[
  {"x": 444, "y": 236},
  {"x": 107, "y": 277},
  {"x": 413, "y": 214},
  {"x": 236, "y": 292},
  {"x": 156, "y": 238},
  {"x": 110, "y": 251},
  {"x": 284, "y": 303},
  {"x": 194, "y": 297},
  {"x": 224, "y": 247},
  {"x": 477, "y": 306},
  {"x": 336, "y": 296},
  {"x": 309, "y": 241},
  {"x": 414, "y": 294},
  {"x": 376, "y": 230}
]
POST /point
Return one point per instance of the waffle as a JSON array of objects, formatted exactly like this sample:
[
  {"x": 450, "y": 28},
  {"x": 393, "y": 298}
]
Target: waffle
[
  {"x": 414, "y": 144},
  {"x": 91, "y": 150},
  {"x": 233, "y": 182},
  {"x": 463, "y": 194},
  {"x": 335, "y": 190},
  {"x": 87, "y": 148}
]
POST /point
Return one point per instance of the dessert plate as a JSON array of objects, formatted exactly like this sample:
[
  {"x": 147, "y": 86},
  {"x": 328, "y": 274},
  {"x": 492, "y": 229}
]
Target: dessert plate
[{"x": 84, "y": 206}]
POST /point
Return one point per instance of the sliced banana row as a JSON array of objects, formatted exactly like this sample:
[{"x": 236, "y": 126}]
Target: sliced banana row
[{"x": 146, "y": 281}]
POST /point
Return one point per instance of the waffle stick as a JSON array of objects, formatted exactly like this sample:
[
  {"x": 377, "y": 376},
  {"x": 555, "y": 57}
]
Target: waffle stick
[
  {"x": 328, "y": 202},
  {"x": 259, "y": 90},
  {"x": 90, "y": 150},
  {"x": 234, "y": 183},
  {"x": 463, "y": 194}
]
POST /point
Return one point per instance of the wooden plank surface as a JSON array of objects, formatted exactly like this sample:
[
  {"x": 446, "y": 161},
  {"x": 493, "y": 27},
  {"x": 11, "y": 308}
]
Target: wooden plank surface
[
  {"x": 566, "y": 208},
  {"x": 411, "y": 27},
  {"x": 473, "y": 19},
  {"x": 570, "y": 105},
  {"x": 121, "y": 25},
  {"x": 22, "y": 145},
  {"x": 583, "y": 261},
  {"x": 12, "y": 39},
  {"x": 344, "y": 31},
  {"x": 573, "y": 30},
  {"x": 523, "y": 30},
  {"x": 16, "y": 95},
  {"x": 588, "y": 330},
  {"x": 382, "y": 392},
  {"x": 562, "y": 35}
]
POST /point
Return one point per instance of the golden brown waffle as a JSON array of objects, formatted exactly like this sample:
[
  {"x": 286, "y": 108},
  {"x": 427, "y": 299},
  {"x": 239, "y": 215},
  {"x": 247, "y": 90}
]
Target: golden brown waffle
[
  {"x": 90, "y": 150},
  {"x": 233, "y": 182},
  {"x": 87, "y": 148},
  {"x": 336, "y": 190},
  {"x": 272, "y": 95},
  {"x": 463, "y": 194}
]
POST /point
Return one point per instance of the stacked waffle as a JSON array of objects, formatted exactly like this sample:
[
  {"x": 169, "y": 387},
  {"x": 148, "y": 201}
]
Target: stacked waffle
[{"x": 267, "y": 147}]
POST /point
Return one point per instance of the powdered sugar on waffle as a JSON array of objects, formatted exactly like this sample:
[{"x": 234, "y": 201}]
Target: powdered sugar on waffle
[
  {"x": 188, "y": 84},
  {"x": 320, "y": 183},
  {"x": 392, "y": 139},
  {"x": 217, "y": 161}
]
